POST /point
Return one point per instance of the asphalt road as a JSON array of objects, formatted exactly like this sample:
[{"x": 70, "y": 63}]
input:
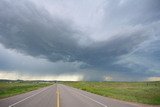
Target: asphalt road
[
  {"x": 45, "y": 97},
  {"x": 63, "y": 96}
]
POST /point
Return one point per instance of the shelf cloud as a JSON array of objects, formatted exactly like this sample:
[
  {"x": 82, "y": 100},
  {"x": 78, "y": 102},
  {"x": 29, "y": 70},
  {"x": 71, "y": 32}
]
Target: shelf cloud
[{"x": 118, "y": 39}]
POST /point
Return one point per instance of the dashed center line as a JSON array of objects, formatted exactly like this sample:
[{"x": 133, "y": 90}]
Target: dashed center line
[{"x": 58, "y": 97}]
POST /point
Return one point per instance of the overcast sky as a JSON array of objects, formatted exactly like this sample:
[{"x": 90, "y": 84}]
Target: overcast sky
[{"x": 116, "y": 40}]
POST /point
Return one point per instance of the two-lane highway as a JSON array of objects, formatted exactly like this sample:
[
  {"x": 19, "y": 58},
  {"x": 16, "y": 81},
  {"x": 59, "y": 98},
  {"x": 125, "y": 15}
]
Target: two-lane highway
[{"x": 63, "y": 96}]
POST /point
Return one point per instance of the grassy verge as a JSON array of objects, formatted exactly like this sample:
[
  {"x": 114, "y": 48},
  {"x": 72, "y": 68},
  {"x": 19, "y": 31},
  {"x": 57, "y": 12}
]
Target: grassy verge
[
  {"x": 8, "y": 89},
  {"x": 141, "y": 92}
]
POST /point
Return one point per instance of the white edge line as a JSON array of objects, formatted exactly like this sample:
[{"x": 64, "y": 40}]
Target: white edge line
[
  {"x": 90, "y": 98},
  {"x": 27, "y": 98}
]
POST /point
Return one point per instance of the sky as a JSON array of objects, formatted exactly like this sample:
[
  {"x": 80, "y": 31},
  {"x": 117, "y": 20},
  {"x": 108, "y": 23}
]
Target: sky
[{"x": 90, "y": 40}]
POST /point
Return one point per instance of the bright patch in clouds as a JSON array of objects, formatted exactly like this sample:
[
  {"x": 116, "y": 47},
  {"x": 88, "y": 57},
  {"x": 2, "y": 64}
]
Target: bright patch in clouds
[
  {"x": 108, "y": 78},
  {"x": 15, "y": 76},
  {"x": 154, "y": 79}
]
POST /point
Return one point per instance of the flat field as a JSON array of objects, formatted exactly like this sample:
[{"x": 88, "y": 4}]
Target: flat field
[
  {"x": 141, "y": 92},
  {"x": 8, "y": 89}
]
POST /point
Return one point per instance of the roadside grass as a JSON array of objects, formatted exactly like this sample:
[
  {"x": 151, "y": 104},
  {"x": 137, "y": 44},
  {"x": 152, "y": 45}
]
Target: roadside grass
[
  {"x": 8, "y": 89},
  {"x": 141, "y": 92}
]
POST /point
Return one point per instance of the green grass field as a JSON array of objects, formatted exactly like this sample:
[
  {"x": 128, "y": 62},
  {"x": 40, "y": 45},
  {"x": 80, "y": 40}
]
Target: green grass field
[
  {"x": 141, "y": 92},
  {"x": 8, "y": 89}
]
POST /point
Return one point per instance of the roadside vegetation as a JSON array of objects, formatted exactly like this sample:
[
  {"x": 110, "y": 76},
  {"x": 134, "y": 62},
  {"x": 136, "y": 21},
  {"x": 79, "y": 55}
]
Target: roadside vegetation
[
  {"x": 141, "y": 92},
  {"x": 10, "y": 88}
]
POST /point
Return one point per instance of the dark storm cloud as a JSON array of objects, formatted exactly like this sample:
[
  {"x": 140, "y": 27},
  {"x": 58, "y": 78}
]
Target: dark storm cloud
[{"x": 32, "y": 30}]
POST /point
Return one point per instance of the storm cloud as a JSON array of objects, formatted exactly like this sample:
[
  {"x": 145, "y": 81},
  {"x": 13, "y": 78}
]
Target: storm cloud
[{"x": 115, "y": 38}]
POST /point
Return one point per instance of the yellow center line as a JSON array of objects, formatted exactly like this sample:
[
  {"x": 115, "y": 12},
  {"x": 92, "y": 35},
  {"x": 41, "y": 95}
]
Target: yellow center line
[{"x": 58, "y": 97}]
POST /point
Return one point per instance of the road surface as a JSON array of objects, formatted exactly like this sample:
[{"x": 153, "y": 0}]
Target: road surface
[{"x": 63, "y": 96}]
